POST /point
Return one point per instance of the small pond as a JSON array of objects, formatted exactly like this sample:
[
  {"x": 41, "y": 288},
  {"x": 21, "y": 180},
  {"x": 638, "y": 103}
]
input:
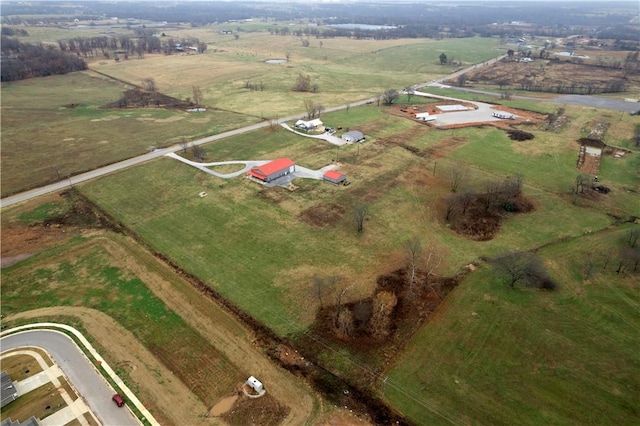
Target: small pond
[{"x": 276, "y": 61}]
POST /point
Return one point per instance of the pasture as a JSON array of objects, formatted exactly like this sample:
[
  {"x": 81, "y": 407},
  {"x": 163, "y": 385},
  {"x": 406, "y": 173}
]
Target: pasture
[
  {"x": 495, "y": 355},
  {"x": 490, "y": 354},
  {"x": 255, "y": 246},
  {"x": 55, "y": 126}
]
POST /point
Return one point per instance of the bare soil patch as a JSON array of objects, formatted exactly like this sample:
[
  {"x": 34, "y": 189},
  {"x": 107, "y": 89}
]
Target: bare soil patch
[
  {"x": 480, "y": 220},
  {"x": 265, "y": 410},
  {"x": 556, "y": 76},
  {"x": 524, "y": 118},
  {"x": 323, "y": 214}
]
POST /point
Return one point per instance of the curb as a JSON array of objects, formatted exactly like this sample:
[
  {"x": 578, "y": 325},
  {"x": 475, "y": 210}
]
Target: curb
[{"x": 96, "y": 356}]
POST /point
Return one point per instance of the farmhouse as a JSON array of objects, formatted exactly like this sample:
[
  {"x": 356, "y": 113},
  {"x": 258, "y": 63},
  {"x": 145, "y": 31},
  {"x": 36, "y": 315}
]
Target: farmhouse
[
  {"x": 335, "y": 177},
  {"x": 314, "y": 124},
  {"x": 272, "y": 170},
  {"x": 353, "y": 136}
]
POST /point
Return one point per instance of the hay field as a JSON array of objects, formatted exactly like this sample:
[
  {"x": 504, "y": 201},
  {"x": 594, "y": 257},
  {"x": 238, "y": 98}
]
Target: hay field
[
  {"x": 55, "y": 126},
  {"x": 344, "y": 70}
]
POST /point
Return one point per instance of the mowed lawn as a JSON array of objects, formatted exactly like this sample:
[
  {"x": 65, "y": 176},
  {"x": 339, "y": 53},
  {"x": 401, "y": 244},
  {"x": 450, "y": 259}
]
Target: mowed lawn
[
  {"x": 254, "y": 245},
  {"x": 499, "y": 356}
]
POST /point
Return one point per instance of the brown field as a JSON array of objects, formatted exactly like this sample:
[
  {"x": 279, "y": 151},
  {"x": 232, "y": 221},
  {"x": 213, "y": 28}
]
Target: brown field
[{"x": 551, "y": 74}]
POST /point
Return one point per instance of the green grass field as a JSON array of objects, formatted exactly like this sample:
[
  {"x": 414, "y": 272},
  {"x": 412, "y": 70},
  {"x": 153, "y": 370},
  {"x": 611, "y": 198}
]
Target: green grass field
[
  {"x": 490, "y": 355},
  {"x": 251, "y": 244},
  {"x": 82, "y": 273},
  {"x": 45, "y": 140},
  {"x": 494, "y": 355}
]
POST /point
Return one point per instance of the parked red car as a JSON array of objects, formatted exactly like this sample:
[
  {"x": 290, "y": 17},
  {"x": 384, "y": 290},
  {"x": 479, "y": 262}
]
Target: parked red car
[{"x": 118, "y": 400}]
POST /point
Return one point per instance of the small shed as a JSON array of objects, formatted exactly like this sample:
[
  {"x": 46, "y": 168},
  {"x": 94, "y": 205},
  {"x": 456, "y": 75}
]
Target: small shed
[
  {"x": 334, "y": 177},
  {"x": 353, "y": 136},
  {"x": 255, "y": 384}
]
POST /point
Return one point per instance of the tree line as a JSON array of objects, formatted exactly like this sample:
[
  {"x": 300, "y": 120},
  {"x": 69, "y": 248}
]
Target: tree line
[
  {"x": 144, "y": 41},
  {"x": 25, "y": 60}
]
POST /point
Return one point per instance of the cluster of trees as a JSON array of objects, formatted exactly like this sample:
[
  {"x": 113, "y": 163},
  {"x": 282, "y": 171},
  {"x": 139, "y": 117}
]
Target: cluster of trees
[
  {"x": 502, "y": 195},
  {"x": 303, "y": 83},
  {"x": 373, "y": 317},
  {"x": 14, "y": 32},
  {"x": 626, "y": 260},
  {"x": 143, "y": 42},
  {"x": 313, "y": 109},
  {"x": 26, "y": 60}
]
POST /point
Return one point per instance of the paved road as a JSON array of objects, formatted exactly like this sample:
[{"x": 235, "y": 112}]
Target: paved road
[
  {"x": 90, "y": 384},
  {"x": 584, "y": 100}
]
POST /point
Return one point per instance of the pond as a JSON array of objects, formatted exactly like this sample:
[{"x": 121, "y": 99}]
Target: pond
[{"x": 276, "y": 61}]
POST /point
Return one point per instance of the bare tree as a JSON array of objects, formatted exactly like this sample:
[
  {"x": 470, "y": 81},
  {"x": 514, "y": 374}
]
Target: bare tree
[
  {"x": 302, "y": 83},
  {"x": 512, "y": 185},
  {"x": 197, "y": 95},
  {"x": 339, "y": 301},
  {"x": 582, "y": 182},
  {"x": 198, "y": 153},
  {"x": 360, "y": 214},
  {"x": 313, "y": 109},
  {"x": 431, "y": 263},
  {"x": 526, "y": 268},
  {"x": 456, "y": 176},
  {"x": 344, "y": 323},
  {"x": 466, "y": 198},
  {"x": 413, "y": 249},
  {"x": 389, "y": 96},
  {"x": 380, "y": 322},
  {"x": 324, "y": 285},
  {"x": 492, "y": 188},
  {"x": 451, "y": 202},
  {"x": 149, "y": 84},
  {"x": 632, "y": 236}
]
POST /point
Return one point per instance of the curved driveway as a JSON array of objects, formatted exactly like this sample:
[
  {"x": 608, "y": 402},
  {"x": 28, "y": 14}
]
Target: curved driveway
[
  {"x": 92, "y": 387},
  {"x": 594, "y": 101}
]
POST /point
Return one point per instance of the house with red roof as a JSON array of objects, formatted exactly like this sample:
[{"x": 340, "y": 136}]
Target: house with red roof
[
  {"x": 272, "y": 170},
  {"x": 335, "y": 177}
]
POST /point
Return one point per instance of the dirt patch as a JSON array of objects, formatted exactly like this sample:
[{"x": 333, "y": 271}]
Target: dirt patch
[
  {"x": 554, "y": 76},
  {"x": 223, "y": 406},
  {"x": 323, "y": 214},
  {"x": 523, "y": 117},
  {"x": 256, "y": 411},
  {"x": 478, "y": 216}
]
